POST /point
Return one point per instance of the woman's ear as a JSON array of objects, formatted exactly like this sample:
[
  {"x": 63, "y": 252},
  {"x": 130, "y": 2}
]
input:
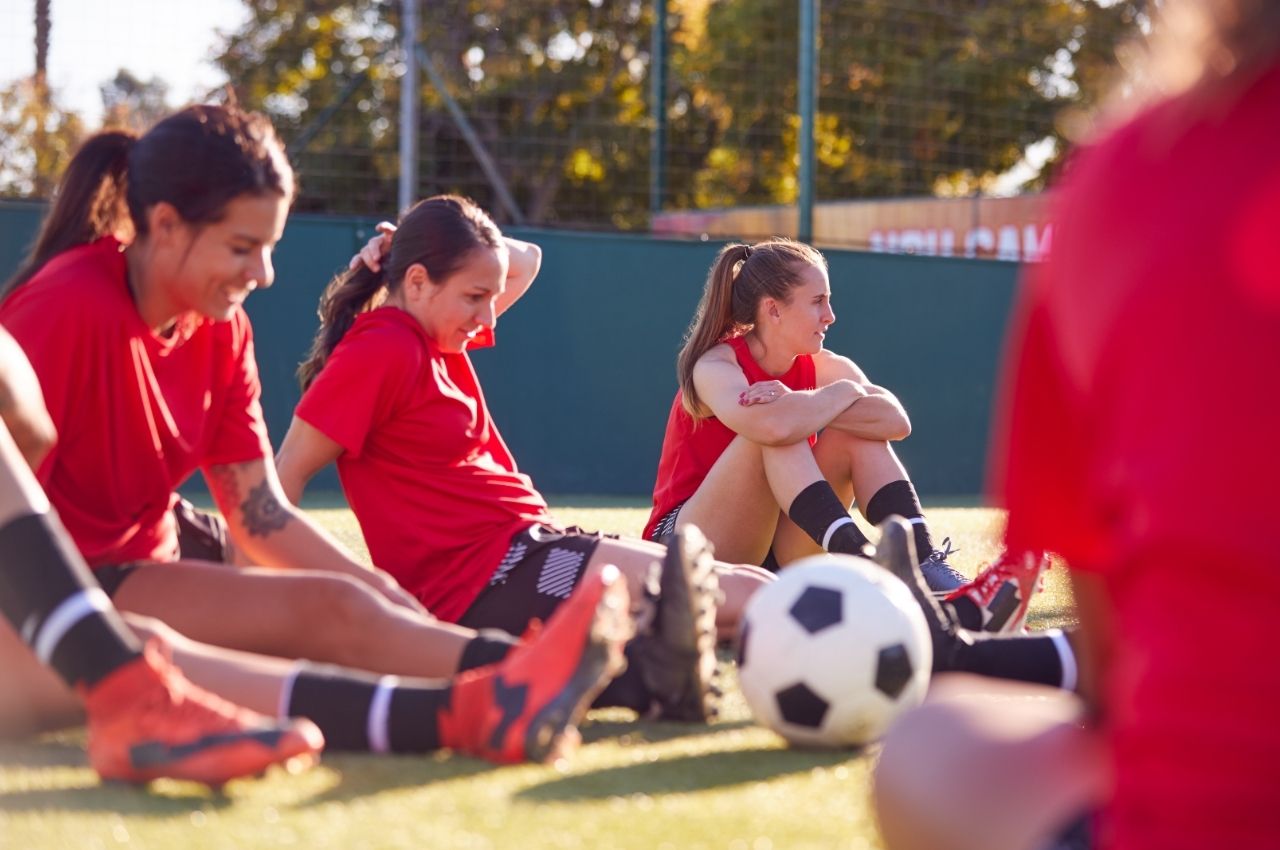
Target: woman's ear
[
  {"x": 416, "y": 281},
  {"x": 769, "y": 309},
  {"x": 163, "y": 222}
]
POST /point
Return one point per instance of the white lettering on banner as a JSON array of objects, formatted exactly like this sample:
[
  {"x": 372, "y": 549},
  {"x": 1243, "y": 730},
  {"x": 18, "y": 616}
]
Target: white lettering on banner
[{"x": 1009, "y": 242}]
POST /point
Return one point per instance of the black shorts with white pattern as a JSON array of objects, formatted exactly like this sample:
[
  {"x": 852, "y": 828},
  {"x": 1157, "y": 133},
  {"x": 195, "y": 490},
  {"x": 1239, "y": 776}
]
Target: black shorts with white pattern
[{"x": 538, "y": 573}]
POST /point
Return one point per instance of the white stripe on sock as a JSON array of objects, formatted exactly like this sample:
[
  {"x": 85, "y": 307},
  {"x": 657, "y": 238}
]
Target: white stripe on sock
[
  {"x": 1070, "y": 673},
  {"x": 831, "y": 530},
  {"x": 916, "y": 520},
  {"x": 73, "y": 609},
  {"x": 379, "y": 711}
]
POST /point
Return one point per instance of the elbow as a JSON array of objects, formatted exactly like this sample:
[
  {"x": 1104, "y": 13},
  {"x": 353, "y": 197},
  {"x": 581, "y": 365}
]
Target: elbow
[{"x": 900, "y": 428}]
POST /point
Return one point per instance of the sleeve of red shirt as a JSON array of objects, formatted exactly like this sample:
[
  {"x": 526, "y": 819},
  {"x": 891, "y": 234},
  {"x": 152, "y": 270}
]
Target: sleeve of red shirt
[
  {"x": 242, "y": 434},
  {"x": 363, "y": 380}
]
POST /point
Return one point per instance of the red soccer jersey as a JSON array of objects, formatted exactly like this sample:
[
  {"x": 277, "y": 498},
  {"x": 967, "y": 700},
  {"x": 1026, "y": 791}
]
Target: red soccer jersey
[
  {"x": 424, "y": 468},
  {"x": 690, "y": 448},
  {"x": 136, "y": 413},
  {"x": 1137, "y": 438}
]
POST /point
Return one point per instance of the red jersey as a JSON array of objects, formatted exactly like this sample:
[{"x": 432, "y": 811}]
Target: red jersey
[
  {"x": 426, "y": 472},
  {"x": 136, "y": 413},
  {"x": 1138, "y": 440},
  {"x": 691, "y": 447}
]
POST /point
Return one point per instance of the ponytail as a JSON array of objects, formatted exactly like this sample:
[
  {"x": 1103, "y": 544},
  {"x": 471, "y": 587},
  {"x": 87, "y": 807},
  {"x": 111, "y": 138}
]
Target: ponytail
[
  {"x": 347, "y": 296},
  {"x": 711, "y": 323},
  {"x": 89, "y": 203},
  {"x": 741, "y": 277}
]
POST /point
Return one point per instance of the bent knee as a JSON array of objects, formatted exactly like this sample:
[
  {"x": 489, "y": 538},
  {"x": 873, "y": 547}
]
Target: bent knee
[{"x": 335, "y": 614}]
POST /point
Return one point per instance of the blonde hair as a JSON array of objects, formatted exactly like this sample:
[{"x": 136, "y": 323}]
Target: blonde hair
[{"x": 740, "y": 278}]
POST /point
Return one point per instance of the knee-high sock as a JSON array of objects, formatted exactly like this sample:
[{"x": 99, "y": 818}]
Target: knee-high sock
[
  {"x": 53, "y": 602},
  {"x": 899, "y": 497},
  {"x": 820, "y": 514}
]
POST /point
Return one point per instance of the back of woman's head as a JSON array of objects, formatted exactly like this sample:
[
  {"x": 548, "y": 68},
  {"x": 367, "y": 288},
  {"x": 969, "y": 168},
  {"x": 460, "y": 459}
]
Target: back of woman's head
[
  {"x": 198, "y": 160},
  {"x": 740, "y": 279},
  {"x": 439, "y": 233}
]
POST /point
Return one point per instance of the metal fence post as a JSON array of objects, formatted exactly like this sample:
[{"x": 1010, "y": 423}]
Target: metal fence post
[
  {"x": 658, "y": 107},
  {"x": 807, "y": 106},
  {"x": 409, "y": 106}
]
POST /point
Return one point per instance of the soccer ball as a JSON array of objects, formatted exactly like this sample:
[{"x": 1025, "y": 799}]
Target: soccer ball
[{"x": 833, "y": 651}]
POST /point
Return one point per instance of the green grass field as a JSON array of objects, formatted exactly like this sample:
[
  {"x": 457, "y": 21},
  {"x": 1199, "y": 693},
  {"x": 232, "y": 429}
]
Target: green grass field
[{"x": 641, "y": 785}]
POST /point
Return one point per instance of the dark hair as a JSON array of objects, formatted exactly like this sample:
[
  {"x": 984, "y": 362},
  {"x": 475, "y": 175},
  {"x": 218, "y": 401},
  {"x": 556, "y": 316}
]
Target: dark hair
[
  {"x": 439, "y": 233},
  {"x": 741, "y": 277},
  {"x": 198, "y": 160}
]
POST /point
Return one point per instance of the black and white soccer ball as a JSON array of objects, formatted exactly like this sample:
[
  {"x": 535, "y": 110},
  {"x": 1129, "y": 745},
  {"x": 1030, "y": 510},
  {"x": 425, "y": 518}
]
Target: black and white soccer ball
[{"x": 833, "y": 651}]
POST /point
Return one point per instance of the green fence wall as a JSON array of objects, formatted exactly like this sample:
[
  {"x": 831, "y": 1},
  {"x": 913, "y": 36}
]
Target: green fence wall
[{"x": 583, "y": 374}]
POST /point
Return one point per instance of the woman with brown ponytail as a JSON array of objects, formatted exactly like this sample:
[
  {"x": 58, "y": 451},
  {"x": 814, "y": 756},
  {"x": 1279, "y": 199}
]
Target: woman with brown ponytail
[
  {"x": 130, "y": 311},
  {"x": 743, "y": 458},
  {"x": 391, "y": 396}
]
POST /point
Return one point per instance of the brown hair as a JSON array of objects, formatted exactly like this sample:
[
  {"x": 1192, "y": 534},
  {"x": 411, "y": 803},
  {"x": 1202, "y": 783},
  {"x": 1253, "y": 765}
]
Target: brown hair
[
  {"x": 198, "y": 160},
  {"x": 741, "y": 277},
  {"x": 438, "y": 233}
]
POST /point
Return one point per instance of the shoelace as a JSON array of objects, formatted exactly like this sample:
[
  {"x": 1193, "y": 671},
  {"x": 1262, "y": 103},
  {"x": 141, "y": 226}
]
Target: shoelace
[{"x": 942, "y": 552}]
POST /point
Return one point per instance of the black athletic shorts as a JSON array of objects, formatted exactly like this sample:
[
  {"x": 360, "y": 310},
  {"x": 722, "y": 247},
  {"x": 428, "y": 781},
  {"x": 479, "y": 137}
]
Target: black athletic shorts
[
  {"x": 112, "y": 576},
  {"x": 202, "y": 536},
  {"x": 541, "y": 568},
  {"x": 667, "y": 525}
]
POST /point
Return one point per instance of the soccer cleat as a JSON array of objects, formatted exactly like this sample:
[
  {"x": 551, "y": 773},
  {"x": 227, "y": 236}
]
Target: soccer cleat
[
  {"x": 998, "y": 598},
  {"x": 676, "y": 652},
  {"x": 896, "y": 552},
  {"x": 526, "y": 707},
  {"x": 147, "y": 721},
  {"x": 938, "y": 574}
]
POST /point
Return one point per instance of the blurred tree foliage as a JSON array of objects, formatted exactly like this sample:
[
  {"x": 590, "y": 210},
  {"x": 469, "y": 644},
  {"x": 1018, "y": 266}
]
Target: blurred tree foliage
[{"x": 916, "y": 96}]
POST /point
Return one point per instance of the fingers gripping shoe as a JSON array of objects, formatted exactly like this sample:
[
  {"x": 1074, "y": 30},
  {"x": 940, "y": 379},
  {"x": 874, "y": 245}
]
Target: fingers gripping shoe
[
  {"x": 942, "y": 577},
  {"x": 896, "y": 552},
  {"x": 526, "y": 707},
  {"x": 676, "y": 653},
  {"x": 999, "y": 597},
  {"x": 147, "y": 721}
]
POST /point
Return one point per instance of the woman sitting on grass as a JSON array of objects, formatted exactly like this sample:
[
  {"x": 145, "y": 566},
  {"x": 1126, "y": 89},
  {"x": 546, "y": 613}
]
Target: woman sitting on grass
[
  {"x": 145, "y": 358},
  {"x": 391, "y": 395}
]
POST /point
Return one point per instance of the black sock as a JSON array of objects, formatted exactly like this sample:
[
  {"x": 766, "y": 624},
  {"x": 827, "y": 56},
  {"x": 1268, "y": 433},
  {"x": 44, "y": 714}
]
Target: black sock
[
  {"x": 818, "y": 511},
  {"x": 1045, "y": 658},
  {"x": 964, "y": 611},
  {"x": 489, "y": 646},
  {"x": 899, "y": 497},
  {"x": 369, "y": 713},
  {"x": 627, "y": 690},
  {"x": 56, "y": 606}
]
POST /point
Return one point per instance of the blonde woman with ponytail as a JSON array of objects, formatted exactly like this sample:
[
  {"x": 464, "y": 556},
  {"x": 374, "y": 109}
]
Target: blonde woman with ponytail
[{"x": 743, "y": 458}]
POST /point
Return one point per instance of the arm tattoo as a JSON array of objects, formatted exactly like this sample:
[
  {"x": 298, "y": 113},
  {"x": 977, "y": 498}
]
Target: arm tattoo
[
  {"x": 263, "y": 514},
  {"x": 260, "y": 510}
]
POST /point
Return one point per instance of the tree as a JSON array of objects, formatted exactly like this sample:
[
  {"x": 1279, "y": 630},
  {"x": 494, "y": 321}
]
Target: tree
[
  {"x": 916, "y": 96},
  {"x": 131, "y": 104}
]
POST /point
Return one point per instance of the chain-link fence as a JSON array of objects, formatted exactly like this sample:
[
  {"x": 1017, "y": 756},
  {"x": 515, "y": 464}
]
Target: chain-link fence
[{"x": 584, "y": 114}]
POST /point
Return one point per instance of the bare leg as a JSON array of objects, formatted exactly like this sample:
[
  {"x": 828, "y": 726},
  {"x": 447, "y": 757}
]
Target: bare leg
[
  {"x": 294, "y": 614},
  {"x": 33, "y": 697},
  {"x": 986, "y": 765},
  {"x": 634, "y": 557}
]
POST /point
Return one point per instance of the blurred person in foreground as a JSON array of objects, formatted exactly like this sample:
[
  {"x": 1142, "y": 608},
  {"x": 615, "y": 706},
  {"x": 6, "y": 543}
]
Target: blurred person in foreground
[{"x": 1140, "y": 392}]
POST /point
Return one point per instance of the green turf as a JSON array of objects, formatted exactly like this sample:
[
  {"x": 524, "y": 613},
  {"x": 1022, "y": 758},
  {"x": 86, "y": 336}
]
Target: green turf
[{"x": 632, "y": 785}]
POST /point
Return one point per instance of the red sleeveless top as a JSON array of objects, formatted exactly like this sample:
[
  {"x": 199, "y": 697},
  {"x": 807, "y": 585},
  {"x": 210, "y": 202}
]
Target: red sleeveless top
[{"x": 690, "y": 448}]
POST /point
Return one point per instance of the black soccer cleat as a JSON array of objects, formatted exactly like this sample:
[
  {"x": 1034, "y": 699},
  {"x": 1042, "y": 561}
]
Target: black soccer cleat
[
  {"x": 896, "y": 552},
  {"x": 676, "y": 654}
]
